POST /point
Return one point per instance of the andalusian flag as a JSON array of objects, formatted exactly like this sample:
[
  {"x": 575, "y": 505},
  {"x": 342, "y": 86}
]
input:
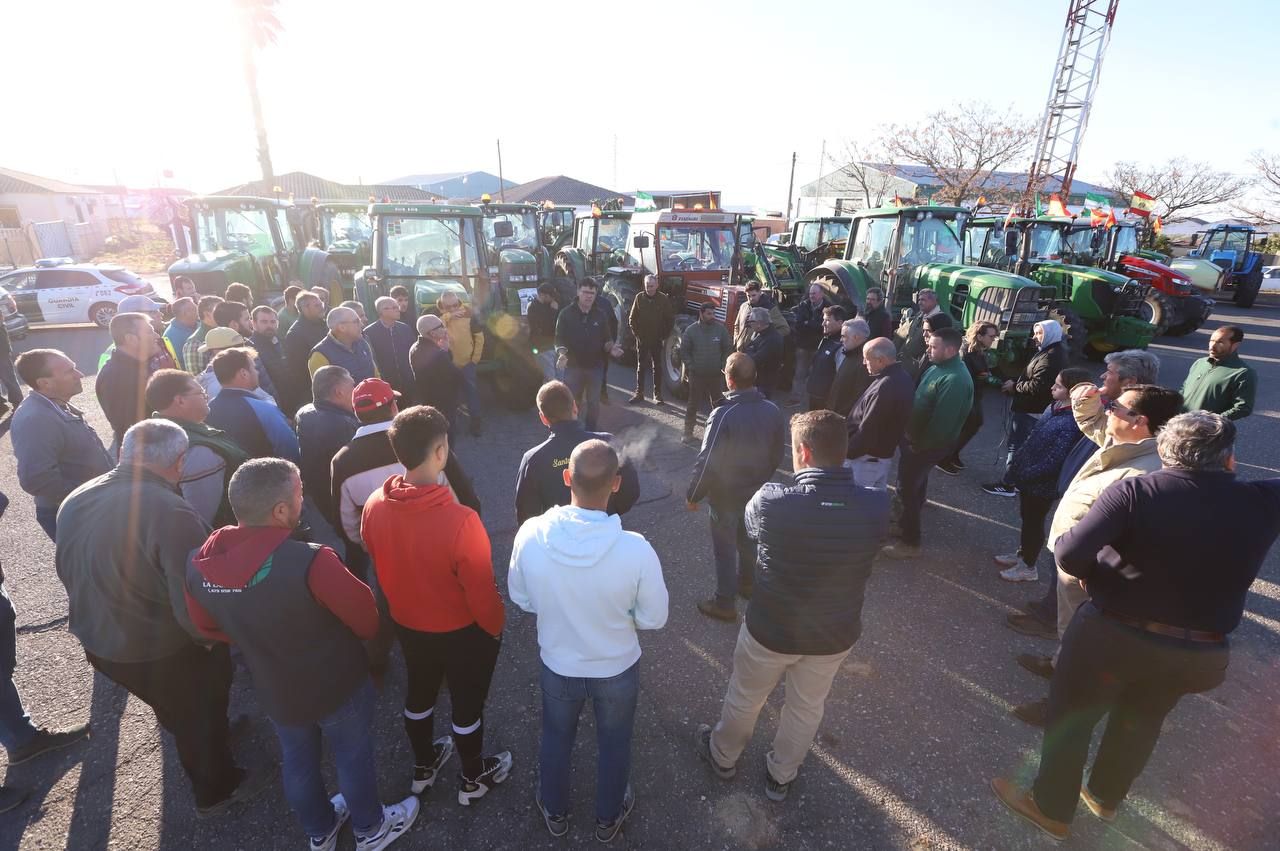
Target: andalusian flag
[
  {"x": 1094, "y": 201},
  {"x": 644, "y": 201},
  {"x": 1055, "y": 206},
  {"x": 1039, "y": 206},
  {"x": 1142, "y": 204}
]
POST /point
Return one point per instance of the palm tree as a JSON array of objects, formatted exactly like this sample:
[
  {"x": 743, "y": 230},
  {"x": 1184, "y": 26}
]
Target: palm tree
[{"x": 258, "y": 28}]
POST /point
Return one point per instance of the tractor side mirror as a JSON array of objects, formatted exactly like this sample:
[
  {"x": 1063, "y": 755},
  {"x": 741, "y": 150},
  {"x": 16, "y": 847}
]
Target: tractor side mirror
[
  {"x": 640, "y": 242},
  {"x": 503, "y": 230}
]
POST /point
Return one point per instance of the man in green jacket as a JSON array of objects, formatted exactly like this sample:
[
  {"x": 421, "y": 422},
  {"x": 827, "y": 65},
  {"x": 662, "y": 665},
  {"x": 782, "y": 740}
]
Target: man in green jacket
[
  {"x": 1222, "y": 383},
  {"x": 705, "y": 346},
  {"x": 941, "y": 406}
]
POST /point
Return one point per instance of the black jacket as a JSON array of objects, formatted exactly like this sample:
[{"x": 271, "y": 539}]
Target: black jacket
[
  {"x": 583, "y": 335},
  {"x": 765, "y": 350},
  {"x": 1033, "y": 391},
  {"x": 120, "y": 386},
  {"x": 437, "y": 381},
  {"x": 741, "y": 448},
  {"x": 1177, "y": 575},
  {"x": 822, "y": 371},
  {"x": 542, "y": 325},
  {"x": 391, "y": 353},
  {"x": 323, "y": 429},
  {"x": 304, "y": 335},
  {"x": 808, "y": 327},
  {"x": 540, "y": 482},
  {"x": 880, "y": 322},
  {"x": 879, "y": 419},
  {"x": 817, "y": 539},
  {"x": 271, "y": 359},
  {"x": 850, "y": 383}
]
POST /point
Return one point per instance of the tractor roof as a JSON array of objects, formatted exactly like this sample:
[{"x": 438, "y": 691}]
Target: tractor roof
[
  {"x": 362, "y": 206},
  {"x": 884, "y": 212},
  {"x": 237, "y": 201},
  {"x": 425, "y": 210},
  {"x": 667, "y": 217},
  {"x": 1019, "y": 220},
  {"x": 500, "y": 207},
  {"x": 821, "y": 219}
]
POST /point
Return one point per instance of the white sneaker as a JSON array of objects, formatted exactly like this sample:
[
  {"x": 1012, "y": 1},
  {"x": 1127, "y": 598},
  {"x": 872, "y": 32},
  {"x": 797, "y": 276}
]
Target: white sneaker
[
  {"x": 424, "y": 776},
  {"x": 396, "y": 821},
  {"x": 1020, "y": 572},
  {"x": 328, "y": 843},
  {"x": 1007, "y": 560}
]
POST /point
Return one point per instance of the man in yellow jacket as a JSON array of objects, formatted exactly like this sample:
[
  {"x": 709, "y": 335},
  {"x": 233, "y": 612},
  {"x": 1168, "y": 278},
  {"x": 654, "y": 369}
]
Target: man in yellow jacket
[{"x": 466, "y": 341}]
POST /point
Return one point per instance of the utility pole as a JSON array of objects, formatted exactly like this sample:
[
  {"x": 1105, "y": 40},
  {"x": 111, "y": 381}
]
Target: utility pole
[
  {"x": 502, "y": 184},
  {"x": 791, "y": 186},
  {"x": 817, "y": 195}
]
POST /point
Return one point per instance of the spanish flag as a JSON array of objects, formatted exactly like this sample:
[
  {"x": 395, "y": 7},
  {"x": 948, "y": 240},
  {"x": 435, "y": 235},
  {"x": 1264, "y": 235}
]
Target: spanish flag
[
  {"x": 1096, "y": 217},
  {"x": 1055, "y": 206},
  {"x": 1142, "y": 204}
]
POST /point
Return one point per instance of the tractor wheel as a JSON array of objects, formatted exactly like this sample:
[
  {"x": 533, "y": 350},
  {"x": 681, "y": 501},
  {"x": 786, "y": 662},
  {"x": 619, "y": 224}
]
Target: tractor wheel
[
  {"x": 672, "y": 376},
  {"x": 1158, "y": 309},
  {"x": 1188, "y": 327},
  {"x": 1247, "y": 290},
  {"x": 1074, "y": 332},
  {"x": 834, "y": 290}
]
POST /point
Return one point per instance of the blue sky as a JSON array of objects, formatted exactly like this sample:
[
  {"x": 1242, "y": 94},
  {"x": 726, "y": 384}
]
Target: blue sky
[{"x": 708, "y": 94}]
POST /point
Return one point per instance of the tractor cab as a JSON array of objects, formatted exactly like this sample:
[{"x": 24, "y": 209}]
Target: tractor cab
[
  {"x": 997, "y": 242},
  {"x": 598, "y": 243},
  {"x": 346, "y": 233},
  {"x": 513, "y": 246},
  {"x": 1230, "y": 248},
  {"x": 694, "y": 254},
  {"x": 555, "y": 226},
  {"x": 819, "y": 239},
  {"x": 249, "y": 240},
  {"x": 430, "y": 249}
]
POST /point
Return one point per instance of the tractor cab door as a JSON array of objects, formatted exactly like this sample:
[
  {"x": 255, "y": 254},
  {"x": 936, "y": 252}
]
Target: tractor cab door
[
  {"x": 874, "y": 250},
  {"x": 555, "y": 227},
  {"x": 976, "y": 238}
]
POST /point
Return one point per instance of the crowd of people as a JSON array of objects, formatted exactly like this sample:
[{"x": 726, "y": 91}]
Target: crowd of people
[{"x": 287, "y": 486}]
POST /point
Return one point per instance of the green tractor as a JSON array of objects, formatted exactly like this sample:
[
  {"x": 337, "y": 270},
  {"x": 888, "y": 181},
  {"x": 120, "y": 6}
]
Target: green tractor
[
  {"x": 555, "y": 225},
  {"x": 513, "y": 244},
  {"x": 816, "y": 240},
  {"x": 1100, "y": 311},
  {"x": 250, "y": 241},
  {"x": 906, "y": 249},
  {"x": 344, "y": 231},
  {"x": 436, "y": 248}
]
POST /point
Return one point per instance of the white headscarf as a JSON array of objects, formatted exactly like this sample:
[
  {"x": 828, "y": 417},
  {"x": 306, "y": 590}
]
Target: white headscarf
[{"x": 1052, "y": 332}]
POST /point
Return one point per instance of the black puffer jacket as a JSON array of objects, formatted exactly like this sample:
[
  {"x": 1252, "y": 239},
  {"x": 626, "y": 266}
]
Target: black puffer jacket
[
  {"x": 1033, "y": 391},
  {"x": 817, "y": 540}
]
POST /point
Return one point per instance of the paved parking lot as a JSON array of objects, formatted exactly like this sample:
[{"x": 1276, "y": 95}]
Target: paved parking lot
[{"x": 916, "y": 725}]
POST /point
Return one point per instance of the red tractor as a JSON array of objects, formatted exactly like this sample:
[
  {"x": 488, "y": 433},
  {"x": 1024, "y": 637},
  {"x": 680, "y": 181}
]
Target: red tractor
[{"x": 1173, "y": 305}]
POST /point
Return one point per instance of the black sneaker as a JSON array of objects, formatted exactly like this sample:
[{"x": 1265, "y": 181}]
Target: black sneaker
[
  {"x": 637, "y": 399},
  {"x": 606, "y": 831},
  {"x": 773, "y": 790},
  {"x": 45, "y": 741},
  {"x": 1000, "y": 489},
  {"x": 557, "y": 826},
  {"x": 495, "y": 770},
  {"x": 424, "y": 776},
  {"x": 949, "y": 467},
  {"x": 702, "y": 747}
]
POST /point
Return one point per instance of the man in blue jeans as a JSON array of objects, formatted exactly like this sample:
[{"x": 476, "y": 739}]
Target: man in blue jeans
[
  {"x": 741, "y": 448},
  {"x": 299, "y": 616},
  {"x": 592, "y": 585},
  {"x": 22, "y": 739},
  {"x": 584, "y": 343}
]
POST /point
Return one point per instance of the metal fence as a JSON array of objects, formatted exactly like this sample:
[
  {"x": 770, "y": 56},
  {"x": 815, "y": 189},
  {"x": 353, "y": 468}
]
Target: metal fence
[{"x": 15, "y": 248}]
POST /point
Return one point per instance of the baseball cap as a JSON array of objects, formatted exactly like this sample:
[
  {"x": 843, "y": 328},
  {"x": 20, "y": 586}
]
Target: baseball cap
[
  {"x": 222, "y": 338},
  {"x": 137, "y": 304},
  {"x": 371, "y": 394},
  {"x": 427, "y": 323}
]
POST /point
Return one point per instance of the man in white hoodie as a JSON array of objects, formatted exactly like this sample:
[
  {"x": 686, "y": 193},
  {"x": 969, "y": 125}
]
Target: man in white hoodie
[{"x": 592, "y": 587}]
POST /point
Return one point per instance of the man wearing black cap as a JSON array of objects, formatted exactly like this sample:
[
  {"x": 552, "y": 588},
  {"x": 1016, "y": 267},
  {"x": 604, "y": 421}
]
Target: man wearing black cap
[{"x": 703, "y": 350}]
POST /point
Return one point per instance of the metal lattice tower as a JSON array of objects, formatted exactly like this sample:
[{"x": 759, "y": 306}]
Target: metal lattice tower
[{"x": 1075, "y": 80}]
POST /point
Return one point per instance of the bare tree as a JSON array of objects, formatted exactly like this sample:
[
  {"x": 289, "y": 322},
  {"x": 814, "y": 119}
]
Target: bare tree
[
  {"x": 1268, "y": 180},
  {"x": 1178, "y": 186},
  {"x": 258, "y": 28},
  {"x": 872, "y": 186},
  {"x": 964, "y": 147}
]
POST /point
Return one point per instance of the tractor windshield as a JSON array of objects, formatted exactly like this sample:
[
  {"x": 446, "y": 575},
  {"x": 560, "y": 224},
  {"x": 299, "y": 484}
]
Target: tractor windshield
[
  {"x": 524, "y": 231},
  {"x": 1083, "y": 244},
  {"x": 223, "y": 229},
  {"x": 927, "y": 238},
  {"x": 345, "y": 226},
  {"x": 1046, "y": 242},
  {"x": 1126, "y": 241},
  {"x": 611, "y": 235},
  {"x": 708, "y": 249},
  {"x": 422, "y": 247}
]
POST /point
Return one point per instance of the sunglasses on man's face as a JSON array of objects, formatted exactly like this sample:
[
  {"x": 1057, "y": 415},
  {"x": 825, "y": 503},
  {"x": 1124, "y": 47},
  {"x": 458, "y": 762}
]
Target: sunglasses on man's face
[{"x": 1113, "y": 407}]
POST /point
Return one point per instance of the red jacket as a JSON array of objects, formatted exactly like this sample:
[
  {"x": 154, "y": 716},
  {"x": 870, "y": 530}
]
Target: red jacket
[{"x": 433, "y": 558}]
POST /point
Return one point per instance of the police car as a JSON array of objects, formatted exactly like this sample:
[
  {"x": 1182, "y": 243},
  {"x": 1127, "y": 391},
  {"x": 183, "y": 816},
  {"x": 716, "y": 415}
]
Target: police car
[{"x": 62, "y": 292}]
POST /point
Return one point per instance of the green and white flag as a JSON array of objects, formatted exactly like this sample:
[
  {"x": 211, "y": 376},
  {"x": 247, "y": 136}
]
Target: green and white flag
[
  {"x": 644, "y": 201},
  {"x": 1093, "y": 201}
]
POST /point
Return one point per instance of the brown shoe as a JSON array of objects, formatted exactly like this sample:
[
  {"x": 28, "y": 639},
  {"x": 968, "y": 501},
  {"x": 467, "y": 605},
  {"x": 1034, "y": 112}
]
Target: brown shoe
[
  {"x": 1027, "y": 625},
  {"x": 1099, "y": 809},
  {"x": 1022, "y": 803},
  {"x": 1041, "y": 666},
  {"x": 713, "y": 609},
  {"x": 1032, "y": 713}
]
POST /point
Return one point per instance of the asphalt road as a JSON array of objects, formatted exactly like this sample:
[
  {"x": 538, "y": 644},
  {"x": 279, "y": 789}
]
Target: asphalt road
[{"x": 916, "y": 724}]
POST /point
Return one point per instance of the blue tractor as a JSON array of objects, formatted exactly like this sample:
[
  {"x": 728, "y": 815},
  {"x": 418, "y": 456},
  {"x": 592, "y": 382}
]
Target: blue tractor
[{"x": 1231, "y": 248}]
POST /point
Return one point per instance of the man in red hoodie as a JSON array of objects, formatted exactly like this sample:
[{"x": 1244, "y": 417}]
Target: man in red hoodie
[
  {"x": 298, "y": 616},
  {"x": 434, "y": 565}
]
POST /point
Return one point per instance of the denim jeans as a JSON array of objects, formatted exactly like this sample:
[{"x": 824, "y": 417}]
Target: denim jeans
[
  {"x": 472, "y": 391},
  {"x": 47, "y": 517},
  {"x": 1020, "y": 425},
  {"x": 9, "y": 380},
  {"x": 349, "y": 731},
  {"x": 547, "y": 361},
  {"x": 584, "y": 383},
  {"x": 16, "y": 728},
  {"x": 613, "y": 699},
  {"x": 913, "y": 486},
  {"x": 734, "y": 551}
]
